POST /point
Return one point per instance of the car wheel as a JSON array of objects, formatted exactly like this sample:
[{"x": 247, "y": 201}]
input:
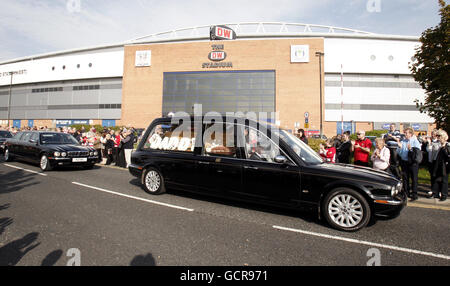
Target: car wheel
[
  {"x": 346, "y": 209},
  {"x": 8, "y": 156},
  {"x": 45, "y": 163},
  {"x": 153, "y": 181}
]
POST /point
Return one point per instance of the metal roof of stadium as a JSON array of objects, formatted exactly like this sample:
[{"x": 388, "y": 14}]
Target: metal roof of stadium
[{"x": 247, "y": 30}]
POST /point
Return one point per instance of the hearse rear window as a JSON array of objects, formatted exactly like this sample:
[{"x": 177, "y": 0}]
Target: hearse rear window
[{"x": 171, "y": 137}]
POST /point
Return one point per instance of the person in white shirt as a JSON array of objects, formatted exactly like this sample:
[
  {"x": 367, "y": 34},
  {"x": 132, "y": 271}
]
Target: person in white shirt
[{"x": 380, "y": 156}]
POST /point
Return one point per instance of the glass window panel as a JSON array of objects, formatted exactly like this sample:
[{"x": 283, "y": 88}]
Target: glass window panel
[{"x": 220, "y": 91}]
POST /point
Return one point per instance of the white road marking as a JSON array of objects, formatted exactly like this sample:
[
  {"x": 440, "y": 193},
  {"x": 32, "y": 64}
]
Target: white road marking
[
  {"x": 364, "y": 242},
  {"x": 26, "y": 170},
  {"x": 133, "y": 197}
]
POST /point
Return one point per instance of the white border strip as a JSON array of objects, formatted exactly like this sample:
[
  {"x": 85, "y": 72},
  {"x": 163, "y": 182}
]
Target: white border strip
[
  {"x": 133, "y": 197},
  {"x": 364, "y": 242},
  {"x": 26, "y": 170}
]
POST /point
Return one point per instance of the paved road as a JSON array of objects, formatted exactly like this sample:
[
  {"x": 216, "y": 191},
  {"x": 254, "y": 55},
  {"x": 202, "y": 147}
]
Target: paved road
[{"x": 103, "y": 217}]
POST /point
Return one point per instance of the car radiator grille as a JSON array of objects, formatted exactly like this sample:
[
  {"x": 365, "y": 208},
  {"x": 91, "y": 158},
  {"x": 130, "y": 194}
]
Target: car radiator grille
[{"x": 78, "y": 153}]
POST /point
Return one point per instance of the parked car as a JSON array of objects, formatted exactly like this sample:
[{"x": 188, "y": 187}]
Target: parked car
[
  {"x": 317, "y": 136},
  {"x": 3, "y": 136},
  {"x": 49, "y": 150},
  {"x": 254, "y": 162}
]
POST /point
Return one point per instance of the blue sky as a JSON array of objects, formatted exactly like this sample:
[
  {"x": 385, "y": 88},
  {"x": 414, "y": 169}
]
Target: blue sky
[{"x": 30, "y": 27}]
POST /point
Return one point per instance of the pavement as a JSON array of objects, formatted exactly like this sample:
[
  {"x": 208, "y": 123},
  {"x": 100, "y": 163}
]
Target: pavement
[{"x": 428, "y": 201}]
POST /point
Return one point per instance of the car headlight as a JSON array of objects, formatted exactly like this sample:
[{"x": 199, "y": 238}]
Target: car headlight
[
  {"x": 64, "y": 154},
  {"x": 57, "y": 154},
  {"x": 393, "y": 191},
  {"x": 91, "y": 153},
  {"x": 95, "y": 153},
  {"x": 396, "y": 189}
]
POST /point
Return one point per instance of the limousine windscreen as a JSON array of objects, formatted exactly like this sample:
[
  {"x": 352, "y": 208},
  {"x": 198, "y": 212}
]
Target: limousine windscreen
[
  {"x": 305, "y": 152},
  {"x": 5, "y": 134},
  {"x": 57, "y": 138}
]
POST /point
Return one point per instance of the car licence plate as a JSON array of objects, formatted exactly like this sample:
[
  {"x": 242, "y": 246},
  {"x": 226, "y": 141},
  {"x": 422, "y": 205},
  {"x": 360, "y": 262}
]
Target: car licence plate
[{"x": 79, "y": 159}]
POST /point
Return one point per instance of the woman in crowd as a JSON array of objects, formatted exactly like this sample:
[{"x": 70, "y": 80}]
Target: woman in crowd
[
  {"x": 328, "y": 152},
  {"x": 103, "y": 142},
  {"x": 302, "y": 136},
  {"x": 441, "y": 167},
  {"x": 116, "y": 149},
  {"x": 432, "y": 147},
  {"x": 120, "y": 151},
  {"x": 127, "y": 146},
  {"x": 380, "y": 156},
  {"x": 337, "y": 141},
  {"x": 97, "y": 144},
  {"x": 109, "y": 146}
]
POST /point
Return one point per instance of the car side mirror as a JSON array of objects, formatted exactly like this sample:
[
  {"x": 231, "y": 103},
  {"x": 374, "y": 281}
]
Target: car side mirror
[
  {"x": 33, "y": 141},
  {"x": 280, "y": 159}
]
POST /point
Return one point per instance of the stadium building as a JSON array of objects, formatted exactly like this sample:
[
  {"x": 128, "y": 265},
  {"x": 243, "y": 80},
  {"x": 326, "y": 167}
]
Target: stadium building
[{"x": 350, "y": 78}]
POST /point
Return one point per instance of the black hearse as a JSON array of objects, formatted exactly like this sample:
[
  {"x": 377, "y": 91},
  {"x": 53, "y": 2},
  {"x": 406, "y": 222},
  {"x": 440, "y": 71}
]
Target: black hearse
[
  {"x": 253, "y": 161},
  {"x": 49, "y": 150}
]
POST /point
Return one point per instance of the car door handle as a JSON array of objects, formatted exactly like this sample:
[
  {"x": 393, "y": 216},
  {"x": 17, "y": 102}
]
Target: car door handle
[
  {"x": 204, "y": 163},
  {"x": 251, "y": 167}
]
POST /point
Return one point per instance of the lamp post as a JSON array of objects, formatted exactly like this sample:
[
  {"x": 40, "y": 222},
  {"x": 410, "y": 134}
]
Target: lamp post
[
  {"x": 320, "y": 55},
  {"x": 9, "y": 99}
]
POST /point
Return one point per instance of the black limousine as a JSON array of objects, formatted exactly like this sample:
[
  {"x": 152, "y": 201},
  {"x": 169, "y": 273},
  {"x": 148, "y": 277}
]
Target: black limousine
[
  {"x": 3, "y": 136},
  {"x": 255, "y": 162},
  {"x": 49, "y": 150}
]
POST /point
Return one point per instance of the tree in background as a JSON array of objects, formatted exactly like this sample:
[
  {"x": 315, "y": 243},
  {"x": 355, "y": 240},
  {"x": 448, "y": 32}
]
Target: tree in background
[{"x": 432, "y": 72}]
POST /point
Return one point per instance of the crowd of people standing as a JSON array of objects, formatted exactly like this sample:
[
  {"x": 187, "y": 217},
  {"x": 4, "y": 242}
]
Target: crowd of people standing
[
  {"x": 398, "y": 154},
  {"x": 114, "y": 145}
]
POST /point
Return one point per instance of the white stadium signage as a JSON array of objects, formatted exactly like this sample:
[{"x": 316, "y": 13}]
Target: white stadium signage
[
  {"x": 143, "y": 58},
  {"x": 299, "y": 53}
]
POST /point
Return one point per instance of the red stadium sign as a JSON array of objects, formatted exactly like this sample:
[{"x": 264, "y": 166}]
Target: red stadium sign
[
  {"x": 217, "y": 56},
  {"x": 222, "y": 33}
]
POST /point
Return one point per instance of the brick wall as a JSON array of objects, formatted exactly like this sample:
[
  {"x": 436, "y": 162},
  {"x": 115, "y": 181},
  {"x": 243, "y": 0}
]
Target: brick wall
[{"x": 297, "y": 84}]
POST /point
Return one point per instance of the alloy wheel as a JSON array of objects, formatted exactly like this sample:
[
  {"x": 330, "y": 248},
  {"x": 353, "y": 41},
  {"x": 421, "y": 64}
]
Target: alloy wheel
[
  {"x": 44, "y": 162},
  {"x": 152, "y": 181},
  {"x": 345, "y": 210}
]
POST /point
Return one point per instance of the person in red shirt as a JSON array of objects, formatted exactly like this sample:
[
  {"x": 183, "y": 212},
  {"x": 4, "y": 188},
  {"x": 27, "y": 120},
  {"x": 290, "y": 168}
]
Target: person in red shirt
[
  {"x": 116, "y": 147},
  {"x": 328, "y": 152},
  {"x": 361, "y": 148}
]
